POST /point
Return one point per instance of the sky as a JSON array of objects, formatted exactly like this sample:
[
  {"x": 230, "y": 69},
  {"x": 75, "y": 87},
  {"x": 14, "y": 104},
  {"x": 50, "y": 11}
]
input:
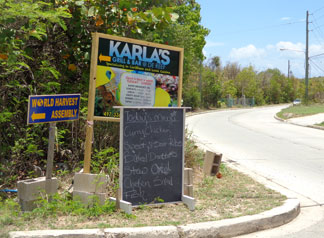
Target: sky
[{"x": 252, "y": 32}]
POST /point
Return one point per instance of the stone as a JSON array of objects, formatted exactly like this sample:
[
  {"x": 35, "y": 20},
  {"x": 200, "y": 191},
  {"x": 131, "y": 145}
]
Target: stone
[
  {"x": 89, "y": 198},
  {"x": 91, "y": 183},
  {"x": 30, "y": 190}
]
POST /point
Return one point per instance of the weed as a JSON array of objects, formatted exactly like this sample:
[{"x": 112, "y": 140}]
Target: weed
[
  {"x": 233, "y": 195},
  {"x": 170, "y": 223},
  {"x": 140, "y": 225},
  {"x": 103, "y": 225},
  {"x": 193, "y": 155}
]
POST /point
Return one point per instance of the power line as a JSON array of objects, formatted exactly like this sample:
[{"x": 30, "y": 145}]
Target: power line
[
  {"x": 317, "y": 10},
  {"x": 318, "y": 70},
  {"x": 317, "y": 31},
  {"x": 317, "y": 55},
  {"x": 319, "y": 39},
  {"x": 320, "y": 16},
  {"x": 318, "y": 27},
  {"x": 318, "y": 67},
  {"x": 264, "y": 28},
  {"x": 315, "y": 23}
]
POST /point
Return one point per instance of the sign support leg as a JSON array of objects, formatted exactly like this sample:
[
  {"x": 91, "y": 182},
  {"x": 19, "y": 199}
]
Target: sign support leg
[
  {"x": 50, "y": 152},
  {"x": 88, "y": 148},
  {"x": 189, "y": 201}
]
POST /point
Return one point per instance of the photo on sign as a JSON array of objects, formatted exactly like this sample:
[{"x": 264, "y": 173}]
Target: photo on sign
[
  {"x": 131, "y": 73},
  {"x": 120, "y": 87}
]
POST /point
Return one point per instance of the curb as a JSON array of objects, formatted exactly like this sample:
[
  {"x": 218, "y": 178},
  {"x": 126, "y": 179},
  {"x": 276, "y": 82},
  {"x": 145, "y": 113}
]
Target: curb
[
  {"x": 279, "y": 119},
  {"x": 217, "y": 229},
  {"x": 310, "y": 126},
  {"x": 244, "y": 225}
]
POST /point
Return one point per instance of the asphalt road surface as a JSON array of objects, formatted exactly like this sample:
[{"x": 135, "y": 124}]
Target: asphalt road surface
[{"x": 289, "y": 156}]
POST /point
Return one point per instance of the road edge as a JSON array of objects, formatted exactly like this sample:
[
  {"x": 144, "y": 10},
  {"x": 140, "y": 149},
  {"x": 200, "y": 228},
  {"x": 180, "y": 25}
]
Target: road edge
[
  {"x": 293, "y": 123},
  {"x": 224, "y": 228},
  {"x": 219, "y": 229}
]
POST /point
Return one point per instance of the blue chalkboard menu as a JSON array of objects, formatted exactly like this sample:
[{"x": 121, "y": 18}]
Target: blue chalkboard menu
[{"x": 151, "y": 154}]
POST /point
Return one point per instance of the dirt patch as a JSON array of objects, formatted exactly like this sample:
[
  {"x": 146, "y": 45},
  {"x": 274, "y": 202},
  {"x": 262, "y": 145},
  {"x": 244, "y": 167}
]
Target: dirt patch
[{"x": 235, "y": 194}]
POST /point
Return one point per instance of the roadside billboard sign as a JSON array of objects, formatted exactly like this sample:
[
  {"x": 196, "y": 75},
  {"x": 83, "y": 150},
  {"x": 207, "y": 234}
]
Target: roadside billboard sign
[{"x": 131, "y": 72}]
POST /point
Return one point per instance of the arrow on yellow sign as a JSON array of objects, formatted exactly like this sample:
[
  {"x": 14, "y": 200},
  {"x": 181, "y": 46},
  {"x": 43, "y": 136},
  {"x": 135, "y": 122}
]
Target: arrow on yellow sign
[
  {"x": 104, "y": 58},
  {"x": 37, "y": 116}
]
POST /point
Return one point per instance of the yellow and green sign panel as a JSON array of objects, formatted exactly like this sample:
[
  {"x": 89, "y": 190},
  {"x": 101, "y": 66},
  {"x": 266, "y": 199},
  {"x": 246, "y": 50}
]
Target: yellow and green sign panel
[{"x": 135, "y": 73}]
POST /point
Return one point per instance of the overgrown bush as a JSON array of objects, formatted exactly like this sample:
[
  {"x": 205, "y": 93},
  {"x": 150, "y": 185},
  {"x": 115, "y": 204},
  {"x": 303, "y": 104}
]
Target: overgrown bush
[
  {"x": 45, "y": 48},
  {"x": 191, "y": 98}
]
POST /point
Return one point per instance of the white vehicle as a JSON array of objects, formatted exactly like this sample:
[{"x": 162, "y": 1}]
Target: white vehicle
[{"x": 296, "y": 102}]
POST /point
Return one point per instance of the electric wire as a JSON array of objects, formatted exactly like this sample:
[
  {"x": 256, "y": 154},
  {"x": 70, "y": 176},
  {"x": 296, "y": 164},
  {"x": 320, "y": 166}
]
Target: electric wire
[
  {"x": 264, "y": 28},
  {"x": 320, "y": 17},
  {"x": 315, "y": 23},
  {"x": 316, "y": 66},
  {"x": 317, "y": 38},
  {"x": 316, "y": 10}
]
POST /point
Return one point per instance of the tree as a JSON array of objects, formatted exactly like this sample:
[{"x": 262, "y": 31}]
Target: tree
[
  {"x": 190, "y": 35},
  {"x": 211, "y": 88},
  {"x": 316, "y": 89},
  {"x": 229, "y": 89},
  {"x": 245, "y": 81},
  {"x": 231, "y": 70},
  {"x": 45, "y": 48},
  {"x": 215, "y": 63}
]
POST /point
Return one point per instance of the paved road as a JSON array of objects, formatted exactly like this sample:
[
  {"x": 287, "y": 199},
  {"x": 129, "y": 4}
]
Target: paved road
[{"x": 288, "y": 155}]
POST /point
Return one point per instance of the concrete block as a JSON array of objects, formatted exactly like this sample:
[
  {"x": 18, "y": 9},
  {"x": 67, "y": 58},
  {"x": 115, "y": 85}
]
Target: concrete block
[
  {"x": 31, "y": 190},
  {"x": 188, "y": 190},
  {"x": 51, "y": 186},
  {"x": 188, "y": 176},
  {"x": 91, "y": 183},
  {"x": 27, "y": 205},
  {"x": 212, "y": 162},
  {"x": 89, "y": 198}
]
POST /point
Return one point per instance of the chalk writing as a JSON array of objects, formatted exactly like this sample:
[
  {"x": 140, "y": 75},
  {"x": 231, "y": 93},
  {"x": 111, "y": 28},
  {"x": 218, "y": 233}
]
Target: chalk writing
[
  {"x": 148, "y": 157},
  {"x": 152, "y": 154},
  {"x": 138, "y": 117},
  {"x": 146, "y": 131}
]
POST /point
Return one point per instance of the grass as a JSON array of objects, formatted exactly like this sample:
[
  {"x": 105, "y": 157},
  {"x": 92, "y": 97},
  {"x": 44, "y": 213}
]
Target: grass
[
  {"x": 300, "y": 111},
  {"x": 321, "y": 124},
  {"x": 233, "y": 195}
]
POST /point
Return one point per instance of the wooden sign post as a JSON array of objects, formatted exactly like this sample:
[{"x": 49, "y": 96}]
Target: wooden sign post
[
  {"x": 50, "y": 152},
  {"x": 129, "y": 72},
  {"x": 51, "y": 109},
  {"x": 46, "y": 109}
]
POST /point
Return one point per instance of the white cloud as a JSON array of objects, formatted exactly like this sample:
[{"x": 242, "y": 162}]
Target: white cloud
[
  {"x": 270, "y": 56},
  {"x": 270, "y": 47},
  {"x": 316, "y": 50},
  {"x": 285, "y": 18},
  {"x": 249, "y": 51}
]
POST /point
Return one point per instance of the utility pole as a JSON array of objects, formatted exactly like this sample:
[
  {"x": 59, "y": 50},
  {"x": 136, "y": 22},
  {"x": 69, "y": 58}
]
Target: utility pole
[
  {"x": 306, "y": 59},
  {"x": 288, "y": 69},
  {"x": 200, "y": 82}
]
